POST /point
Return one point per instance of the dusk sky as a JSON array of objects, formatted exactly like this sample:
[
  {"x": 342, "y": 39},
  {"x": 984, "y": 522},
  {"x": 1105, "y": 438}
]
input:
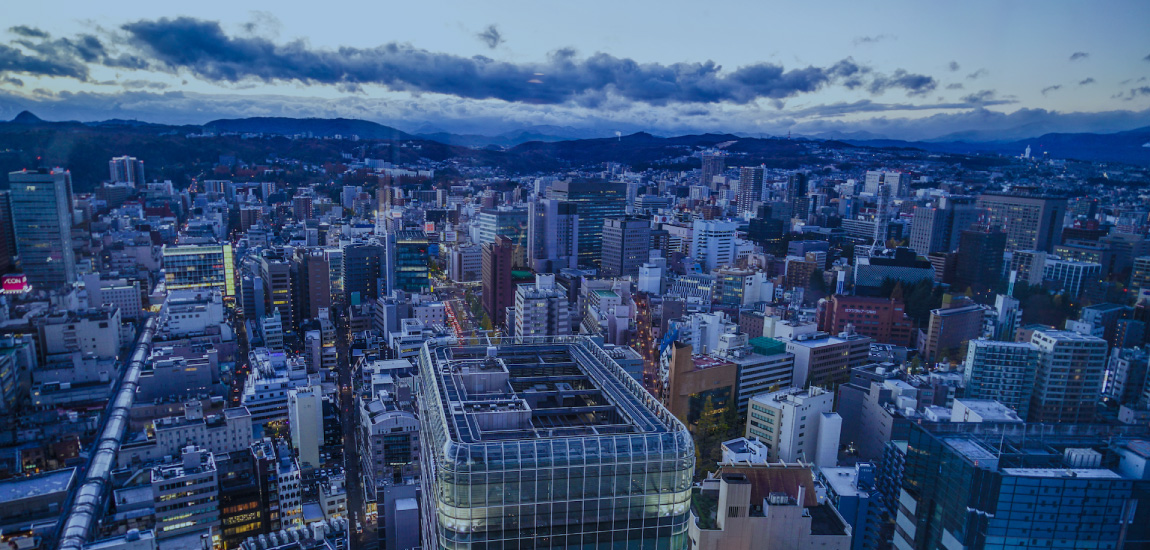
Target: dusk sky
[{"x": 901, "y": 69}]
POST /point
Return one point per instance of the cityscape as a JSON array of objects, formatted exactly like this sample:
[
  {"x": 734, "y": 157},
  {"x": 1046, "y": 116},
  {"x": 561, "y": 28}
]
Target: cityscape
[{"x": 266, "y": 284}]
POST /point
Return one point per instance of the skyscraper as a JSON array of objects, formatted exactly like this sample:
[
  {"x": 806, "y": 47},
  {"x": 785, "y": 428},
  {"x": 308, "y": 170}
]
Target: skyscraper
[
  {"x": 1031, "y": 222},
  {"x": 364, "y": 265},
  {"x": 713, "y": 243},
  {"x": 407, "y": 268},
  {"x": 750, "y": 188},
  {"x": 937, "y": 228},
  {"x": 604, "y": 467},
  {"x": 596, "y": 201},
  {"x": 626, "y": 245},
  {"x": 127, "y": 169},
  {"x": 1002, "y": 371},
  {"x": 552, "y": 235},
  {"x": 541, "y": 309},
  {"x": 42, "y": 217},
  {"x": 980, "y": 258},
  {"x": 497, "y": 292},
  {"x": 713, "y": 164},
  {"x": 798, "y": 184}
]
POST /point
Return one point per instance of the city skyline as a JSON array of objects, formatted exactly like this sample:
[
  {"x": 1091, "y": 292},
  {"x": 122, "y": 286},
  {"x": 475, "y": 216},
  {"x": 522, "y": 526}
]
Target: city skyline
[{"x": 889, "y": 71}]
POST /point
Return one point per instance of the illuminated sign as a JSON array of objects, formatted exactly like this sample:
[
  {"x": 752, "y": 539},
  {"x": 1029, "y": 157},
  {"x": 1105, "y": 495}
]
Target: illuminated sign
[
  {"x": 853, "y": 310},
  {"x": 16, "y": 284}
]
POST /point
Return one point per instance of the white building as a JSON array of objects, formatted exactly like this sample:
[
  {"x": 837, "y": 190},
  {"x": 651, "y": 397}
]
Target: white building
[
  {"x": 541, "y": 309},
  {"x": 217, "y": 434},
  {"x": 186, "y": 494},
  {"x": 305, "y": 418},
  {"x": 1072, "y": 274},
  {"x": 465, "y": 263},
  {"x": 272, "y": 331},
  {"x": 713, "y": 243},
  {"x": 188, "y": 312},
  {"x": 796, "y": 424}
]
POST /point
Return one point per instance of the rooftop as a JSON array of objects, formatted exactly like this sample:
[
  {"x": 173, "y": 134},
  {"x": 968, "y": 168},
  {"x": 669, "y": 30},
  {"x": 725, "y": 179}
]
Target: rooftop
[
  {"x": 19, "y": 488},
  {"x": 1091, "y": 473}
]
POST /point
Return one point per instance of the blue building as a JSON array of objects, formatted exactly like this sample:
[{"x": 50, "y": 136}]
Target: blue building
[{"x": 853, "y": 492}]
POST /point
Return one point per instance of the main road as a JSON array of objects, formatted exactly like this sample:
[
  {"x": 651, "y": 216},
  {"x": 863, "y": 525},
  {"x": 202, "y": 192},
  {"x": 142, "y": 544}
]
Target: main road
[{"x": 363, "y": 535}]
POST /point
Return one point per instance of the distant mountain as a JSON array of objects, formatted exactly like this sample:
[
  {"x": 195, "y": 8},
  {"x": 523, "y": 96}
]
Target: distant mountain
[
  {"x": 317, "y": 127},
  {"x": 510, "y": 138},
  {"x": 26, "y": 117}
]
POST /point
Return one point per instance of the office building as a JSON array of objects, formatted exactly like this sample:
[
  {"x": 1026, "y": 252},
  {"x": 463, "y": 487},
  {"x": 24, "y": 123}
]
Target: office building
[
  {"x": 1126, "y": 376},
  {"x": 1071, "y": 276},
  {"x": 983, "y": 486},
  {"x": 41, "y": 203},
  {"x": 126, "y": 169},
  {"x": 713, "y": 244},
  {"x": 498, "y": 295},
  {"x": 750, "y": 188},
  {"x": 407, "y": 259},
  {"x": 938, "y": 228},
  {"x": 884, "y": 320},
  {"x": 796, "y": 424},
  {"x": 552, "y": 235},
  {"x": 541, "y": 309},
  {"x": 897, "y": 182},
  {"x": 626, "y": 245},
  {"x": 1031, "y": 222},
  {"x": 389, "y": 443},
  {"x": 186, "y": 494},
  {"x": 1140, "y": 276},
  {"x": 364, "y": 267},
  {"x": 825, "y": 360},
  {"x": 980, "y": 258},
  {"x": 595, "y": 202},
  {"x": 949, "y": 328},
  {"x": 510, "y": 221},
  {"x": 465, "y": 263},
  {"x": 798, "y": 184},
  {"x": 305, "y": 418},
  {"x": 314, "y": 276},
  {"x": 766, "y": 368},
  {"x": 200, "y": 267},
  {"x": 689, "y": 380},
  {"x": 490, "y": 401},
  {"x": 280, "y": 289},
  {"x": 1068, "y": 380},
  {"x": 1002, "y": 371},
  {"x": 853, "y": 492}
]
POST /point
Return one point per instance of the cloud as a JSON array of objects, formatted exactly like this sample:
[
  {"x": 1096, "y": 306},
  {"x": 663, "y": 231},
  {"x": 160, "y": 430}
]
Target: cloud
[
  {"x": 860, "y": 40},
  {"x": 26, "y": 31},
  {"x": 1053, "y": 88},
  {"x": 12, "y": 80},
  {"x": 1086, "y": 81},
  {"x": 955, "y": 86},
  {"x": 13, "y": 60},
  {"x": 981, "y": 97},
  {"x": 953, "y": 66},
  {"x": 1133, "y": 93},
  {"x": 977, "y": 74},
  {"x": 1147, "y": 58},
  {"x": 202, "y": 48},
  {"x": 1078, "y": 55},
  {"x": 491, "y": 36}
]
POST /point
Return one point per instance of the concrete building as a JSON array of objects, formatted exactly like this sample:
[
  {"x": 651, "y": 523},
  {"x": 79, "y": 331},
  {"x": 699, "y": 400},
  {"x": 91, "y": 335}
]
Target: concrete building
[
  {"x": 689, "y": 380},
  {"x": 750, "y": 188},
  {"x": 1002, "y": 371},
  {"x": 737, "y": 511},
  {"x": 796, "y": 424},
  {"x": 541, "y": 309},
  {"x": 389, "y": 441},
  {"x": 497, "y": 292},
  {"x": 1071, "y": 276},
  {"x": 626, "y": 245},
  {"x": 219, "y": 434},
  {"x": 595, "y": 202},
  {"x": 825, "y": 360},
  {"x": 305, "y": 418},
  {"x": 552, "y": 235},
  {"x": 465, "y": 263},
  {"x": 713, "y": 244},
  {"x": 186, "y": 494},
  {"x": 1068, "y": 381},
  {"x": 884, "y": 320},
  {"x": 949, "y": 328},
  {"x": 199, "y": 267},
  {"x": 1031, "y": 222}
]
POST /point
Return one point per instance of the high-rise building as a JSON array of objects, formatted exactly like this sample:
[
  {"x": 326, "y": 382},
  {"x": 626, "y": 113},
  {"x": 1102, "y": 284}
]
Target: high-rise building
[
  {"x": 541, "y": 309},
  {"x": 504, "y": 220},
  {"x": 1031, "y": 222},
  {"x": 949, "y": 328},
  {"x": 980, "y": 258},
  {"x": 407, "y": 268},
  {"x": 364, "y": 267},
  {"x": 301, "y": 205},
  {"x": 199, "y": 267},
  {"x": 750, "y": 188},
  {"x": 713, "y": 164},
  {"x": 552, "y": 235},
  {"x": 497, "y": 292},
  {"x": 7, "y": 232},
  {"x": 186, "y": 494},
  {"x": 305, "y": 417},
  {"x": 1068, "y": 381},
  {"x": 127, "y": 169},
  {"x": 883, "y": 319},
  {"x": 489, "y": 401},
  {"x": 1002, "y": 371},
  {"x": 1071, "y": 276},
  {"x": 938, "y": 228},
  {"x": 980, "y": 486},
  {"x": 713, "y": 243},
  {"x": 798, "y": 185},
  {"x": 897, "y": 182},
  {"x": 626, "y": 245},
  {"x": 314, "y": 281},
  {"x": 41, "y": 203},
  {"x": 1126, "y": 376},
  {"x": 596, "y": 201},
  {"x": 825, "y": 360},
  {"x": 280, "y": 288},
  {"x": 796, "y": 424}
]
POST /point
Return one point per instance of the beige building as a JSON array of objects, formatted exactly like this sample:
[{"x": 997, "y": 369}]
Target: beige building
[
  {"x": 768, "y": 508},
  {"x": 690, "y": 379}
]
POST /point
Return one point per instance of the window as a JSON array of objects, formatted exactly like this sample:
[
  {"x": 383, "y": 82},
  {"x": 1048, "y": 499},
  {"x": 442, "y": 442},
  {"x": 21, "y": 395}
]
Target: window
[{"x": 732, "y": 511}]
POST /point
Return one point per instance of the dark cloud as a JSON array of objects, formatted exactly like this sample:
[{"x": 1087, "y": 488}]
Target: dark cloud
[
  {"x": 13, "y": 60},
  {"x": 12, "y": 80},
  {"x": 1135, "y": 92},
  {"x": 1053, "y": 88},
  {"x": 1078, "y": 55},
  {"x": 977, "y": 74},
  {"x": 860, "y": 40},
  {"x": 1086, "y": 81},
  {"x": 954, "y": 66},
  {"x": 981, "y": 97},
  {"x": 491, "y": 36},
  {"x": 30, "y": 32},
  {"x": 955, "y": 86},
  {"x": 204, "y": 49},
  {"x": 1147, "y": 58}
]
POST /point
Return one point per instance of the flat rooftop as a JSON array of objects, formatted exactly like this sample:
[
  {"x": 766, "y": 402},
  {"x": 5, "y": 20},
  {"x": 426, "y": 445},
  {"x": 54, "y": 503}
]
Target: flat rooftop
[
  {"x": 1090, "y": 473},
  {"x": 41, "y": 485},
  {"x": 538, "y": 391}
]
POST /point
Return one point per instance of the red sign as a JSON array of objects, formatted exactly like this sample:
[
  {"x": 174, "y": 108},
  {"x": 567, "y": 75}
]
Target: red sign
[{"x": 16, "y": 284}]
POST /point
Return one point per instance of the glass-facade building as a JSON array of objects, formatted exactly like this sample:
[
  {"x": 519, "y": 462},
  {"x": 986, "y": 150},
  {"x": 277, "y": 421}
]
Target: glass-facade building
[
  {"x": 41, "y": 208},
  {"x": 547, "y": 444},
  {"x": 596, "y": 201},
  {"x": 984, "y": 486},
  {"x": 200, "y": 267},
  {"x": 407, "y": 261}
]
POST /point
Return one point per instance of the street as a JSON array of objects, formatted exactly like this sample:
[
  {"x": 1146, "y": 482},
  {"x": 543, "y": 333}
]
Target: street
[{"x": 356, "y": 503}]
